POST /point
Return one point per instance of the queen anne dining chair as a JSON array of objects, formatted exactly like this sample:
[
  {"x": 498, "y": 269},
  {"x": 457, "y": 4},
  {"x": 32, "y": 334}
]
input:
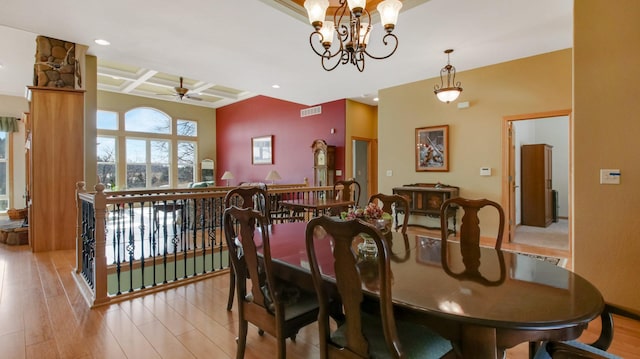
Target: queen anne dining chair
[
  {"x": 470, "y": 224},
  {"x": 359, "y": 334},
  {"x": 255, "y": 197},
  {"x": 347, "y": 190},
  {"x": 276, "y": 307},
  {"x": 598, "y": 348},
  {"x": 389, "y": 204}
]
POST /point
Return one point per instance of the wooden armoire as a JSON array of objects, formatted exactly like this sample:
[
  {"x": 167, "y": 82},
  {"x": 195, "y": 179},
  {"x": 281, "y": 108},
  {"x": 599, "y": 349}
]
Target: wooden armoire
[
  {"x": 55, "y": 163},
  {"x": 536, "y": 185}
]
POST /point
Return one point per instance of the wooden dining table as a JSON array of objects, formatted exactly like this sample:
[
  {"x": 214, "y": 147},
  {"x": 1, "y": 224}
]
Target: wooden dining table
[
  {"x": 314, "y": 204},
  {"x": 483, "y": 304}
]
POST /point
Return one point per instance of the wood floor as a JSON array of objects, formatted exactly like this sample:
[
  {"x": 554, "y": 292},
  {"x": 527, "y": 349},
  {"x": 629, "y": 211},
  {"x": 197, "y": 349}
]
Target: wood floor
[{"x": 43, "y": 316}]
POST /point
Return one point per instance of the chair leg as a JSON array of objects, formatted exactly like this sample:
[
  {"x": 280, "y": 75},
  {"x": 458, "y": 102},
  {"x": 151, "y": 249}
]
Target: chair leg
[
  {"x": 282, "y": 347},
  {"x": 232, "y": 287},
  {"x": 242, "y": 338}
]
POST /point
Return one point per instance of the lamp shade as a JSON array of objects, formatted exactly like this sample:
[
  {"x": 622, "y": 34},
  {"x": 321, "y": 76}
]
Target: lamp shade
[
  {"x": 388, "y": 10},
  {"x": 448, "y": 95},
  {"x": 316, "y": 10},
  {"x": 273, "y": 175},
  {"x": 227, "y": 175}
]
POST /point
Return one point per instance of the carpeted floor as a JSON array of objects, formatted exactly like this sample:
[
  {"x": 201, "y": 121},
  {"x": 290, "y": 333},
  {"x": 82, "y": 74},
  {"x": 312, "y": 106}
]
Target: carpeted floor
[{"x": 555, "y": 236}]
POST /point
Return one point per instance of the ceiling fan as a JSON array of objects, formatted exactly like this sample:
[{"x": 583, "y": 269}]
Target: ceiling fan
[{"x": 182, "y": 93}]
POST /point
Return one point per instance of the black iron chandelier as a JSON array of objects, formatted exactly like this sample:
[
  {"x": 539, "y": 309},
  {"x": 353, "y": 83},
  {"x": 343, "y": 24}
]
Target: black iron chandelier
[
  {"x": 352, "y": 23},
  {"x": 450, "y": 91}
]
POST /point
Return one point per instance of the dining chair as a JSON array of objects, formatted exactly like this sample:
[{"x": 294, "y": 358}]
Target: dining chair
[
  {"x": 360, "y": 334},
  {"x": 470, "y": 224},
  {"x": 389, "y": 204},
  {"x": 595, "y": 350},
  {"x": 275, "y": 307},
  {"x": 347, "y": 190},
  {"x": 245, "y": 196}
]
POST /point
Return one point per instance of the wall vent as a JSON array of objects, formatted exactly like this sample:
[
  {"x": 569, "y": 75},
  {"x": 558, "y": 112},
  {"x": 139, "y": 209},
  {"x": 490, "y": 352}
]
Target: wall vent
[{"x": 311, "y": 111}]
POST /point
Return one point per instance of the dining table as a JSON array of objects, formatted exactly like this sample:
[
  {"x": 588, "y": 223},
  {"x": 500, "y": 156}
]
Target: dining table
[
  {"x": 316, "y": 205},
  {"x": 483, "y": 300}
]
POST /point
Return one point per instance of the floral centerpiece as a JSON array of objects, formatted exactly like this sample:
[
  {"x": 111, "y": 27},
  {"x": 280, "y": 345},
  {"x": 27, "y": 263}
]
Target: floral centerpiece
[
  {"x": 371, "y": 213},
  {"x": 374, "y": 215}
]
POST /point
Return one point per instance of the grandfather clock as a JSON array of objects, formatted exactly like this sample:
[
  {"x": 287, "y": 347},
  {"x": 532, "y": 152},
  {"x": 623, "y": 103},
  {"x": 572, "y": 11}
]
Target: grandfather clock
[{"x": 324, "y": 163}]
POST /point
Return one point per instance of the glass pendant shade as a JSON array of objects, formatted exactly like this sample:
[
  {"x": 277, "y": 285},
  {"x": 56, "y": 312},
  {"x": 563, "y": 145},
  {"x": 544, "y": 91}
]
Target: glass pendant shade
[
  {"x": 363, "y": 35},
  {"x": 327, "y": 31},
  {"x": 316, "y": 10},
  {"x": 356, "y": 4},
  {"x": 389, "y": 10},
  {"x": 448, "y": 95}
]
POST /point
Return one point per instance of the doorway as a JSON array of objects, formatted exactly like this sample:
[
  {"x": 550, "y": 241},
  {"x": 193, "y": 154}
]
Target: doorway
[
  {"x": 362, "y": 168},
  {"x": 552, "y": 128}
]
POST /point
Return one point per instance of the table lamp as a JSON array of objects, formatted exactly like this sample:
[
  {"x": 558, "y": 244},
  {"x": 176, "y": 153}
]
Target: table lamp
[
  {"x": 227, "y": 175},
  {"x": 273, "y": 176}
]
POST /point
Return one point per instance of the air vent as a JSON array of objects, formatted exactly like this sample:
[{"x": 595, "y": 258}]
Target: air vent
[{"x": 311, "y": 111}]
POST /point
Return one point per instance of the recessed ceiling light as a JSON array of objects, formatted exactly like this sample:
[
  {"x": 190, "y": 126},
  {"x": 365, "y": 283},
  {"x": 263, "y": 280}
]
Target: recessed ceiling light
[
  {"x": 375, "y": 99},
  {"x": 275, "y": 86},
  {"x": 1, "y": 65},
  {"x": 102, "y": 42}
]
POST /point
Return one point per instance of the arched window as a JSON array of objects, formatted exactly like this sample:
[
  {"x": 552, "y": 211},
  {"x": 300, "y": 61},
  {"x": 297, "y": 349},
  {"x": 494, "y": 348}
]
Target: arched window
[{"x": 148, "y": 147}]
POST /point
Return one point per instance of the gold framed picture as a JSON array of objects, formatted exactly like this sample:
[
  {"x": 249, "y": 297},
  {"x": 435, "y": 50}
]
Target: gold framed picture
[{"x": 432, "y": 148}]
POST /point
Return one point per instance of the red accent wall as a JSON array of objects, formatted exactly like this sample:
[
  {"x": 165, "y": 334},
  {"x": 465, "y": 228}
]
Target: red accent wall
[{"x": 293, "y": 135}]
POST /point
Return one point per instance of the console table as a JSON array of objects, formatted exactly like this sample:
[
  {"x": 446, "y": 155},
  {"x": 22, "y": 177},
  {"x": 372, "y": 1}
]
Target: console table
[{"x": 425, "y": 199}]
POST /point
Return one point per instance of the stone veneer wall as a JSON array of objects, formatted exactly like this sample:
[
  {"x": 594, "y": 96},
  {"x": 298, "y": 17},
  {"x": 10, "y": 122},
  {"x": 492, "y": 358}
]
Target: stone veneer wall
[{"x": 56, "y": 64}]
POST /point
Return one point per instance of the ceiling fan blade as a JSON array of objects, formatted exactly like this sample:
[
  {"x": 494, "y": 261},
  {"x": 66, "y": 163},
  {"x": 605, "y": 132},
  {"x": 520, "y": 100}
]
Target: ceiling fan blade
[{"x": 193, "y": 98}]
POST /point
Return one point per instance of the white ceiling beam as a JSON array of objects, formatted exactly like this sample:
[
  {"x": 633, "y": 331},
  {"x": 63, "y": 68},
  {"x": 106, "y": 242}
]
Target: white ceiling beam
[{"x": 142, "y": 79}]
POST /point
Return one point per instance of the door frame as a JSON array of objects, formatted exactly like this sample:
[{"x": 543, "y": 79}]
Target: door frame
[
  {"x": 508, "y": 165},
  {"x": 372, "y": 164}
]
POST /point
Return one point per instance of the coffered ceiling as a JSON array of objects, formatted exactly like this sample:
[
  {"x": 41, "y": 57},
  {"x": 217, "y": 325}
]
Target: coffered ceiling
[{"x": 231, "y": 50}]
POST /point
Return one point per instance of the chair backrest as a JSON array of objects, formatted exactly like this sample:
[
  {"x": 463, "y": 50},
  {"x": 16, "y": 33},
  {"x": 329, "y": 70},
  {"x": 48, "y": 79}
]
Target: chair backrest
[
  {"x": 243, "y": 244},
  {"x": 343, "y": 236},
  {"x": 470, "y": 224},
  {"x": 390, "y": 203},
  {"x": 248, "y": 197},
  {"x": 350, "y": 190}
]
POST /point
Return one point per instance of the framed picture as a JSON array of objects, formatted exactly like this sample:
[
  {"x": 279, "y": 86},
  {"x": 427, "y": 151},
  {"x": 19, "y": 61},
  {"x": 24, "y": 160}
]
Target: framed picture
[
  {"x": 262, "y": 150},
  {"x": 432, "y": 148}
]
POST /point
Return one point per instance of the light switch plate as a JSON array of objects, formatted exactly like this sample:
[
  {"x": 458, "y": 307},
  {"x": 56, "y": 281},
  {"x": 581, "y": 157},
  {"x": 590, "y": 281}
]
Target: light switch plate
[
  {"x": 609, "y": 176},
  {"x": 338, "y": 172},
  {"x": 485, "y": 171},
  {"x": 389, "y": 173}
]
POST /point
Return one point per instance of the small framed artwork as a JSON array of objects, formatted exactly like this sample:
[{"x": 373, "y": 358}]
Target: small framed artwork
[
  {"x": 432, "y": 148},
  {"x": 262, "y": 150}
]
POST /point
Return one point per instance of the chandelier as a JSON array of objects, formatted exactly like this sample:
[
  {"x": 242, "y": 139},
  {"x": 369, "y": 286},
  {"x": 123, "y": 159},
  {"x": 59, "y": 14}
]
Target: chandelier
[
  {"x": 453, "y": 89},
  {"x": 353, "y": 28}
]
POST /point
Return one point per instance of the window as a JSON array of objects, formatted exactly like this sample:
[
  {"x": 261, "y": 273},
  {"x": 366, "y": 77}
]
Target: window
[
  {"x": 107, "y": 161},
  {"x": 187, "y": 128},
  {"x": 186, "y": 162},
  {"x": 147, "y": 120},
  {"x": 153, "y": 150},
  {"x": 107, "y": 120},
  {"x": 4, "y": 171}
]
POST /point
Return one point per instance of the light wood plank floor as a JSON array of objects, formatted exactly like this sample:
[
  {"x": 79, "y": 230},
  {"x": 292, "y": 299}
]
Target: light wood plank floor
[{"x": 43, "y": 316}]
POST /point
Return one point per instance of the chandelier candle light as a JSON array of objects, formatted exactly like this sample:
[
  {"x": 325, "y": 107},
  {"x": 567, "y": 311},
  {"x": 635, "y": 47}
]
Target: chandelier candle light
[
  {"x": 353, "y": 27},
  {"x": 453, "y": 89}
]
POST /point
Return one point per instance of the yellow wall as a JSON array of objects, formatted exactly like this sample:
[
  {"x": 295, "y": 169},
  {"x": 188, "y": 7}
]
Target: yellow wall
[
  {"x": 606, "y": 135},
  {"x": 535, "y": 84},
  {"x": 361, "y": 124},
  {"x": 205, "y": 116}
]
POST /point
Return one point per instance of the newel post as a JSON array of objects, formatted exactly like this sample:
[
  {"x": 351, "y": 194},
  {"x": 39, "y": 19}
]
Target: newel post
[
  {"x": 100, "y": 260},
  {"x": 80, "y": 188}
]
